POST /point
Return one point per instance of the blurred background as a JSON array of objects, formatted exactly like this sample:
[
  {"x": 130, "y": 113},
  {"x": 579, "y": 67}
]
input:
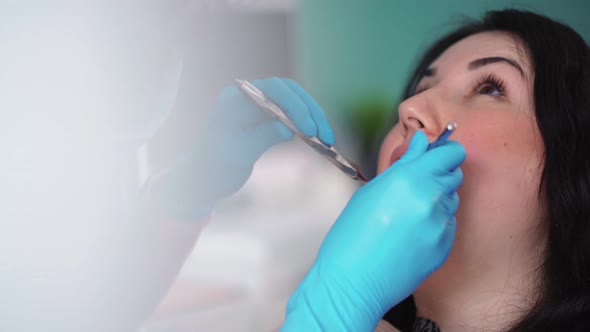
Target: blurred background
[{"x": 353, "y": 57}]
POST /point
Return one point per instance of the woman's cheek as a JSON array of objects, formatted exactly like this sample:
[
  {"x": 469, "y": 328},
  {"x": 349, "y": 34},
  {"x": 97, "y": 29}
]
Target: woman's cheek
[
  {"x": 492, "y": 166},
  {"x": 485, "y": 141},
  {"x": 477, "y": 150}
]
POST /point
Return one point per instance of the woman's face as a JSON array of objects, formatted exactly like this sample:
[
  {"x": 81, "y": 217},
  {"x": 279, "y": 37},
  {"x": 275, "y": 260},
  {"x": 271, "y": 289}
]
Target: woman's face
[{"x": 484, "y": 84}]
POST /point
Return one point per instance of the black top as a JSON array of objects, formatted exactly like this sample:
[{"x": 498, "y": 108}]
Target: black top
[
  {"x": 424, "y": 325},
  {"x": 403, "y": 317}
]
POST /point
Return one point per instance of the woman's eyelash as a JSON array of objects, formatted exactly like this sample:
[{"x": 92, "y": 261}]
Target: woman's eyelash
[
  {"x": 490, "y": 80},
  {"x": 419, "y": 89}
]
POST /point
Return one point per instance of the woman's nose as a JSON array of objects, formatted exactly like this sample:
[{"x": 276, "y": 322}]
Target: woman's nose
[{"x": 422, "y": 112}]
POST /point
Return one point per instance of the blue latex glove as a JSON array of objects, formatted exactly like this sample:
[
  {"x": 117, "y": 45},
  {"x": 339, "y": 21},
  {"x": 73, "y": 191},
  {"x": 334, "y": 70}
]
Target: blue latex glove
[
  {"x": 238, "y": 132},
  {"x": 394, "y": 232}
]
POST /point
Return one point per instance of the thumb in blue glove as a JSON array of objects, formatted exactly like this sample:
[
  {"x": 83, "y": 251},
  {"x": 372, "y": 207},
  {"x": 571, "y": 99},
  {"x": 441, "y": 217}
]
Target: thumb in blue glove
[
  {"x": 237, "y": 133},
  {"x": 394, "y": 232}
]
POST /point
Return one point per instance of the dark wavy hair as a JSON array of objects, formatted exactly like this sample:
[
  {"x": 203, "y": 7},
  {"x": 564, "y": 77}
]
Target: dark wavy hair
[{"x": 561, "y": 63}]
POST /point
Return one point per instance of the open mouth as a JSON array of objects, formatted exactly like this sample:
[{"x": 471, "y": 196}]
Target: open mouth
[{"x": 398, "y": 152}]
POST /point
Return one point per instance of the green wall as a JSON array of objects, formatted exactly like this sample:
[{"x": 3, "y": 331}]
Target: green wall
[{"x": 357, "y": 54}]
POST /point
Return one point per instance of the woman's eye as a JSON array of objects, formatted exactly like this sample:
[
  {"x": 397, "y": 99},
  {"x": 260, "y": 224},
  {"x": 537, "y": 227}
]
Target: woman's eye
[
  {"x": 490, "y": 85},
  {"x": 420, "y": 89},
  {"x": 489, "y": 89}
]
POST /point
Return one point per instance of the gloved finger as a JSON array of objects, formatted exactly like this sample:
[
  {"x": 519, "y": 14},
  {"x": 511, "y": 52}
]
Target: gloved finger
[
  {"x": 289, "y": 101},
  {"x": 444, "y": 158},
  {"x": 325, "y": 132},
  {"x": 450, "y": 181},
  {"x": 235, "y": 110},
  {"x": 418, "y": 146},
  {"x": 449, "y": 235},
  {"x": 447, "y": 208},
  {"x": 445, "y": 242},
  {"x": 450, "y": 203}
]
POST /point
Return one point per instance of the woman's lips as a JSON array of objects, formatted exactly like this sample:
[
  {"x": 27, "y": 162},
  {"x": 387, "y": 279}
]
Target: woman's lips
[{"x": 398, "y": 152}]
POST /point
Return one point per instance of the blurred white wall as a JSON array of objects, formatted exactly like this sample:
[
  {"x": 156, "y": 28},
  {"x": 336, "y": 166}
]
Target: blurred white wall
[{"x": 259, "y": 243}]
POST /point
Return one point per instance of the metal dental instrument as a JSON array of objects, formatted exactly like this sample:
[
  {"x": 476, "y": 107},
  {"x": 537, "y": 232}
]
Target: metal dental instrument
[
  {"x": 329, "y": 152},
  {"x": 450, "y": 128}
]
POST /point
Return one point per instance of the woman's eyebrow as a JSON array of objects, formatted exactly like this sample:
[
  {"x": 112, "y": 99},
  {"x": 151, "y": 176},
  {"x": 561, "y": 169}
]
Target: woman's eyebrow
[{"x": 475, "y": 64}]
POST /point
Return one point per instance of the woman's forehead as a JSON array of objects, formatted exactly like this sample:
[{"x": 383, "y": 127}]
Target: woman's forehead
[{"x": 484, "y": 45}]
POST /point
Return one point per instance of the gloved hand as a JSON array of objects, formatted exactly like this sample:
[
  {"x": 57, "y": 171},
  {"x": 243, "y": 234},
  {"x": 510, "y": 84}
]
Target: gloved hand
[
  {"x": 238, "y": 132},
  {"x": 394, "y": 232}
]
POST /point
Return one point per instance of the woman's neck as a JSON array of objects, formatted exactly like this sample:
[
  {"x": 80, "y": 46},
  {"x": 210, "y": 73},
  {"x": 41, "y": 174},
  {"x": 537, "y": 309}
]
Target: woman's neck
[{"x": 484, "y": 296}]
